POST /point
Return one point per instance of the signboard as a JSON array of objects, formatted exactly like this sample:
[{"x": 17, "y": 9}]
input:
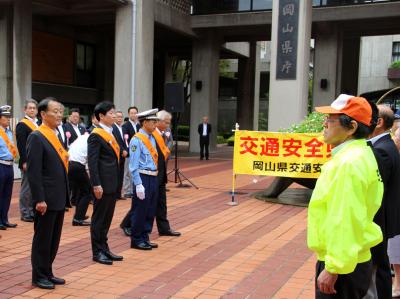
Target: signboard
[
  {"x": 298, "y": 155},
  {"x": 288, "y": 23}
]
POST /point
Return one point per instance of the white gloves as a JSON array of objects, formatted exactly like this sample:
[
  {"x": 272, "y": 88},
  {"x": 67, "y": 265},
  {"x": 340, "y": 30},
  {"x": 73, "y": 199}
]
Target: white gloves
[{"x": 140, "y": 191}]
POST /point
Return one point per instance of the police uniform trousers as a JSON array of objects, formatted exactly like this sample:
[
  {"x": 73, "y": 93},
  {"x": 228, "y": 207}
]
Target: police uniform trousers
[
  {"x": 6, "y": 187},
  {"x": 144, "y": 211},
  {"x": 46, "y": 239},
  {"x": 78, "y": 176},
  {"x": 348, "y": 286},
  {"x": 103, "y": 212},
  {"x": 25, "y": 197}
]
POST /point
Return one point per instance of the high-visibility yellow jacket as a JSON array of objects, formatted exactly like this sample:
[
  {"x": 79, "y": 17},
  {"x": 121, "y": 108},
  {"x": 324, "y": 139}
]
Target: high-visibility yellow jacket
[{"x": 346, "y": 197}]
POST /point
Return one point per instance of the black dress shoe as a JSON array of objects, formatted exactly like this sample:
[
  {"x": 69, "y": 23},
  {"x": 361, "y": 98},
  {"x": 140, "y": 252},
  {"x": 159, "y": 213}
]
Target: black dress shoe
[
  {"x": 11, "y": 225},
  {"x": 170, "y": 233},
  {"x": 43, "y": 284},
  {"x": 153, "y": 245},
  {"x": 102, "y": 259},
  {"x": 141, "y": 246},
  {"x": 57, "y": 280},
  {"x": 27, "y": 219},
  {"x": 2, "y": 227},
  {"x": 127, "y": 231},
  {"x": 80, "y": 222},
  {"x": 113, "y": 256}
]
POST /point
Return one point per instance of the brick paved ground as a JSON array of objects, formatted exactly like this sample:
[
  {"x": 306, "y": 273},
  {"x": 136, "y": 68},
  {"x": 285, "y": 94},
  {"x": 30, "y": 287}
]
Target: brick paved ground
[{"x": 253, "y": 250}]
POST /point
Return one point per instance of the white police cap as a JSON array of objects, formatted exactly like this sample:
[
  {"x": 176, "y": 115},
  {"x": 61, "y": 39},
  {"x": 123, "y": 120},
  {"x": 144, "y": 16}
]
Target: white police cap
[
  {"x": 5, "y": 110},
  {"x": 148, "y": 115}
]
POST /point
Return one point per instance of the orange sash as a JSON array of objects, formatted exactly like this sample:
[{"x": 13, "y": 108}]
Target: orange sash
[
  {"x": 29, "y": 124},
  {"x": 51, "y": 137},
  {"x": 11, "y": 147},
  {"x": 161, "y": 143},
  {"x": 149, "y": 146},
  {"x": 109, "y": 139}
]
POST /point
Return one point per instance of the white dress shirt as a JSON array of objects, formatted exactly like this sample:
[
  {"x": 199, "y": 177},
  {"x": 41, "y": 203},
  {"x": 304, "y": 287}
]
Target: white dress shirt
[
  {"x": 76, "y": 129},
  {"x": 61, "y": 130},
  {"x": 34, "y": 121},
  {"x": 134, "y": 126},
  {"x": 204, "y": 129},
  {"x": 78, "y": 150},
  {"x": 120, "y": 130},
  {"x": 108, "y": 129}
]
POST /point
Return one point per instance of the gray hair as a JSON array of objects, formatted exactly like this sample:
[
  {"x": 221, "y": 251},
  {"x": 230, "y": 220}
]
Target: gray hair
[
  {"x": 163, "y": 115},
  {"x": 31, "y": 101}
]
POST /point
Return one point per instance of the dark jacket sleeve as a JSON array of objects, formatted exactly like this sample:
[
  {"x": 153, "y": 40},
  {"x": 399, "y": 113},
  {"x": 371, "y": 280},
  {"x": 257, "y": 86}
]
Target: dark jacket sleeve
[
  {"x": 22, "y": 132},
  {"x": 34, "y": 152},
  {"x": 199, "y": 129},
  {"x": 93, "y": 159},
  {"x": 209, "y": 131}
]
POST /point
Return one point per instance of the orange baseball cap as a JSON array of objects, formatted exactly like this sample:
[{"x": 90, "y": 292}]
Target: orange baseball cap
[{"x": 357, "y": 108}]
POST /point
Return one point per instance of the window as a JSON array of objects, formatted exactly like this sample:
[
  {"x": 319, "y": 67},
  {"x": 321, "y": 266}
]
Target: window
[
  {"x": 396, "y": 51},
  {"x": 85, "y": 65}
]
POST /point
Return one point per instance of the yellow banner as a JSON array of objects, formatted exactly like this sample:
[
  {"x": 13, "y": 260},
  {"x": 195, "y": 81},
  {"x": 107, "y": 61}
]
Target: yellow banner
[{"x": 298, "y": 155}]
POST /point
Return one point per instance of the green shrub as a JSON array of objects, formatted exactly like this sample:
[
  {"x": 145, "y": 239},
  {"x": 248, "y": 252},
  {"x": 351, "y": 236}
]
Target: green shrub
[
  {"x": 231, "y": 140},
  {"x": 313, "y": 123},
  {"x": 395, "y": 65},
  {"x": 183, "y": 133},
  {"x": 220, "y": 139}
]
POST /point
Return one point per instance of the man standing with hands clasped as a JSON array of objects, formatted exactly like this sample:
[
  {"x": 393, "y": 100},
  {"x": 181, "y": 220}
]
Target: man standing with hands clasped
[
  {"x": 348, "y": 193},
  {"x": 103, "y": 162},
  {"x": 47, "y": 166}
]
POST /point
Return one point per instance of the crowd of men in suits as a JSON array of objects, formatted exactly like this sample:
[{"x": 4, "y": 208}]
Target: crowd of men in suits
[{"x": 64, "y": 163}]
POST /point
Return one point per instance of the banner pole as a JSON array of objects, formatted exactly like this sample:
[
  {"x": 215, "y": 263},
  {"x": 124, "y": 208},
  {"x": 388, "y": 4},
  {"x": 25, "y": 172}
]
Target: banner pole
[{"x": 233, "y": 202}]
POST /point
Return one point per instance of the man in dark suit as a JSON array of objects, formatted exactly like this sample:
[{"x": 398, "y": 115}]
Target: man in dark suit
[
  {"x": 25, "y": 127},
  {"x": 119, "y": 136},
  {"x": 388, "y": 216},
  {"x": 95, "y": 124},
  {"x": 73, "y": 126},
  {"x": 47, "y": 164},
  {"x": 129, "y": 129},
  {"x": 204, "y": 130},
  {"x": 103, "y": 162}
]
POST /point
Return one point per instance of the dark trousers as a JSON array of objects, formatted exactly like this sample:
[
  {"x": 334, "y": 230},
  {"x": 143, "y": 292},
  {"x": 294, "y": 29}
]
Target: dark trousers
[
  {"x": 383, "y": 277},
  {"x": 161, "y": 213},
  {"x": 46, "y": 239},
  {"x": 120, "y": 176},
  {"x": 79, "y": 178},
  {"x": 103, "y": 212},
  {"x": 348, "y": 286},
  {"x": 204, "y": 144},
  {"x": 6, "y": 186},
  {"x": 126, "y": 222},
  {"x": 144, "y": 211}
]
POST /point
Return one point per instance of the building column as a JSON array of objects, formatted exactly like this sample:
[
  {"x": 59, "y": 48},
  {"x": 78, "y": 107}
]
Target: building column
[
  {"x": 204, "y": 89},
  {"x": 22, "y": 55},
  {"x": 245, "y": 103},
  {"x": 288, "y": 94},
  {"x": 6, "y": 41},
  {"x": 134, "y": 48},
  {"x": 327, "y": 52},
  {"x": 257, "y": 71},
  {"x": 350, "y": 65}
]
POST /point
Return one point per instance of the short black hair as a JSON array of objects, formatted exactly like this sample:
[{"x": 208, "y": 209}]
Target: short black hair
[
  {"x": 362, "y": 130},
  {"x": 44, "y": 104},
  {"x": 72, "y": 110},
  {"x": 102, "y": 108},
  {"x": 133, "y": 107}
]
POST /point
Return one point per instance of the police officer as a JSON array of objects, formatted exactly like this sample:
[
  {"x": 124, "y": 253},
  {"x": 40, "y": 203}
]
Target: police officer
[
  {"x": 8, "y": 152},
  {"x": 143, "y": 167}
]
